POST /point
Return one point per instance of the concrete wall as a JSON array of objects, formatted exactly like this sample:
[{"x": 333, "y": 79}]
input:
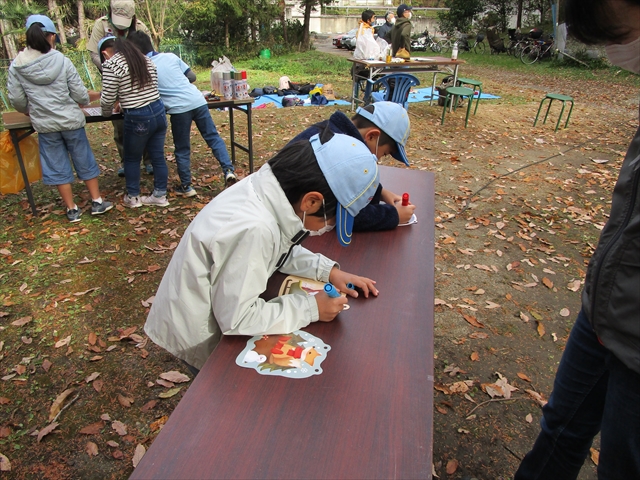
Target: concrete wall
[{"x": 334, "y": 24}]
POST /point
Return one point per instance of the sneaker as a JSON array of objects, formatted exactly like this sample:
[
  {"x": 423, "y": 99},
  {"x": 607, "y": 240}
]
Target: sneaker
[
  {"x": 121, "y": 172},
  {"x": 149, "y": 169},
  {"x": 230, "y": 178},
  {"x": 155, "y": 201},
  {"x": 187, "y": 191},
  {"x": 132, "y": 202},
  {"x": 73, "y": 215},
  {"x": 100, "y": 208}
]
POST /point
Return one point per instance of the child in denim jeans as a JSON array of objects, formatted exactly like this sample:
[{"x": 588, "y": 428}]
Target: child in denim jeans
[
  {"x": 186, "y": 104},
  {"x": 45, "y": 85},
  {"x": 131, "y": 78}
]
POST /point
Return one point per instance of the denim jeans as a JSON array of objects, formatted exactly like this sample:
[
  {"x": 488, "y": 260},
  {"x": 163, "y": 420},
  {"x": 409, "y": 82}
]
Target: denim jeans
[
  {"x": 145, "y": 127},
  {"x": 593, "y": 391},
  {"x": 181, "y": 130}
]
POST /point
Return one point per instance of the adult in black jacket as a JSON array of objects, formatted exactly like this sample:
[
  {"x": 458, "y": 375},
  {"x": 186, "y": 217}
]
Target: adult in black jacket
[
  {"x": 384, "y": 32},
  {"x": 375, "y": 216},
  {"x": 597, "y": 386}
]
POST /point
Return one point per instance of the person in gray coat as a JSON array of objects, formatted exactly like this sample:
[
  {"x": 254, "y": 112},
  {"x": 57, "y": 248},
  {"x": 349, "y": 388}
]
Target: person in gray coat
[
  {"x": 384, "y": 32},
  {"x": 45, "y": 85}
]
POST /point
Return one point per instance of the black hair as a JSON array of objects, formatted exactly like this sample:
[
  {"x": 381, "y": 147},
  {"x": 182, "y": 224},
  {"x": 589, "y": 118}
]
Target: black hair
[
  {"x": 37, "y": 38},
  {"x": 132, "y": 27},
  {"x": 106, "y": 44},
  {"x": 136, "y": 61},
  {"x": 298, "y": 173},
  {"x": 141, "y": 40},
  {"x": 595, "y": 21},
  {"x": 367, "y": 15},
  {"x": 360, "y": 122}
]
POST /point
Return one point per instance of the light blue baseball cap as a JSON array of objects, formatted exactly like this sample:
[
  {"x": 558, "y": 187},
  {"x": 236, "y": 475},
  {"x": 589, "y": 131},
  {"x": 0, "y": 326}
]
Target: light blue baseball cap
[
  {"x": 393, "y": 120},
  {"x": 351, "y": 171},
  {"x": 48, "y": 27},
  {"x": 104, "y": 39}
]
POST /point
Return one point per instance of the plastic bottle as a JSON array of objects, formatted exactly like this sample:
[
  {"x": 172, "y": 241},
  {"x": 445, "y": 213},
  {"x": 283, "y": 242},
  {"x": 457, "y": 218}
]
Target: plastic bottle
[
  {"x": 227, "y": 86},
  {"x": 454, "y": 51}
]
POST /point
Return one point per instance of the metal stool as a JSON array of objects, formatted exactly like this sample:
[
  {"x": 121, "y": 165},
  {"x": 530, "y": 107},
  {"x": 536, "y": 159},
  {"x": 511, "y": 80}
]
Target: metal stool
[
  {"x": 552, "y": 97},
  {"x": 452, "y": 94},
  {"x": 475, "y": 84}
]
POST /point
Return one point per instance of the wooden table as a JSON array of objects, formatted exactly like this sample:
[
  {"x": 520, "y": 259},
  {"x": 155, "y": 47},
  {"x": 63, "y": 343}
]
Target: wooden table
[
  {"x": 369, "y": 414},
  {"x": 415, "y": 65},
  {"x": 19, "y": 127}
]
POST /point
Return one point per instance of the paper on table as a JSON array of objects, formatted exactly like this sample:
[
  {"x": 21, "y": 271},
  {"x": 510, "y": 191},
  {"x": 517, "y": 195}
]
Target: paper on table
[
  {"x": 411, "y": 221},
  {"x": 93, "y": 111}
]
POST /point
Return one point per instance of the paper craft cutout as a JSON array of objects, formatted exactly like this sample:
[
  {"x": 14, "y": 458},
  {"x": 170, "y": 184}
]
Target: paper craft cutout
[
  {"x": 300, "y": 285},
  {"x": 411, "y": 221},
  {"x": 295, "y": 355}
]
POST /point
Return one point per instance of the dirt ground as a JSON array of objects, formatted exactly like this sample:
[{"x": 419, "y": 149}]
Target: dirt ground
[{"x": 518, "y": 213}]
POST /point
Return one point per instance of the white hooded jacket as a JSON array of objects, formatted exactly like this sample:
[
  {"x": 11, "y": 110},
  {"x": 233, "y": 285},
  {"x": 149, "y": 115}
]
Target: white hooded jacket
[{"x": 221, "y": 267}]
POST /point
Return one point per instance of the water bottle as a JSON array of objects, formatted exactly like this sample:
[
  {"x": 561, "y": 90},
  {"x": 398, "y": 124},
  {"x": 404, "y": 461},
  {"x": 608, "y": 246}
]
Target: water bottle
[{"x": 454, "y": 51}]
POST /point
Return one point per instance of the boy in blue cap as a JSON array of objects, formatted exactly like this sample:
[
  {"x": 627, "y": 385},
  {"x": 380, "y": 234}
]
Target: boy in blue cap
[
  {"x": 384, "y": 127},
  {"x": 186, "y": 104},
  {"x": 213, "y": 283}
]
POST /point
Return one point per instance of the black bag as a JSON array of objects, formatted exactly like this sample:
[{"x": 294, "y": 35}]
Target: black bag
[
  {"x": 302, "y": 88},
  {"x": 256, "y": 92},
  {"x": 269, "y": 90}
]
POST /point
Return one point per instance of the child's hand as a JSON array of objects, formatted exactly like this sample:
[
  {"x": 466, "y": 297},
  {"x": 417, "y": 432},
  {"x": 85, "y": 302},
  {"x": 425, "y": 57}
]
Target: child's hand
[
  {"x": 329, "y": 308},
  {"x": 340, "y": 280},
  {"x": 389, "y": 197},
  {"x": 404, "y": 213}
]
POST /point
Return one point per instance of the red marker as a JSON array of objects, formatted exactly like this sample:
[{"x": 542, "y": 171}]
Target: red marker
[{"x": 405, "y": 199}]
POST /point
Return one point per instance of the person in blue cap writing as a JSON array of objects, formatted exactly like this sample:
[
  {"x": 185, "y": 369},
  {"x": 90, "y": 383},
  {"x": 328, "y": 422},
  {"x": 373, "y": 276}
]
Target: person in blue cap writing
[{"x": 213, "y": 283}]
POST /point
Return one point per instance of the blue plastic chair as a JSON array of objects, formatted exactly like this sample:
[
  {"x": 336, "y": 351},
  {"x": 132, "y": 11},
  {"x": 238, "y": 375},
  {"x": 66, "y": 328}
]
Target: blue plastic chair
[{"x": 399, "y": 93}]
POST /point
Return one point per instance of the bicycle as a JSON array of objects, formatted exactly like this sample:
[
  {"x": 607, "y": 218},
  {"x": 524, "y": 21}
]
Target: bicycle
[
  {"x": 536, "y": 51},
  {"x": 425, "y": 41},
  {"x": 478, "y": 46}
]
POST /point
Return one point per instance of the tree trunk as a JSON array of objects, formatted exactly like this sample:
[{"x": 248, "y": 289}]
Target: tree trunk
[
  {"x": 519, "y": 17},
  {"x": 283, "y": 20},
  {"x": 305, "y": 29},
  {"x": 226, "y": 34},
  {"x": 9, "y": 41},
  {"x": 55, "y": 13},
  {"x": 81, "y": 19}
]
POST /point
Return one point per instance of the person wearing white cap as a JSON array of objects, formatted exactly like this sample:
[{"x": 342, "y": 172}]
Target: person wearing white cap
[
  {"x": 213, "y": 283},
  {"x": 384, "y": 127},
  {"x": 44, "y": 84}
]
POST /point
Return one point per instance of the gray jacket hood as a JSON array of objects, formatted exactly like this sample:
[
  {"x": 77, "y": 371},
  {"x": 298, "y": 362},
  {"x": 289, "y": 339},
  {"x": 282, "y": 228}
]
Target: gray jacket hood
[{"x": 39, "y": 68}]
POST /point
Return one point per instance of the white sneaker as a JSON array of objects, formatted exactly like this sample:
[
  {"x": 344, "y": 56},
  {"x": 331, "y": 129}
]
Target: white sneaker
[
  {"x": 230, "y": 178},
  {"x": 155, "y": 201},
  {"x": 132, "y": 202}
]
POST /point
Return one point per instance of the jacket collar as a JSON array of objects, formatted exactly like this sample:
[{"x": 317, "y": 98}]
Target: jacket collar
[{"x": 271, "y": 195}]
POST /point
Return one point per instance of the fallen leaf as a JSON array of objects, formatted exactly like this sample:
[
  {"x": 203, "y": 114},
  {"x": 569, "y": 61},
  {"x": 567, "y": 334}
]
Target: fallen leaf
[
  {"x": 547, "y": 283},
  {"x": 165, "y": 383},
  {"x": 463, "y": 430},
  {"x": 475, "y": 357},
  {"x": 138, "y": 454},
  {"x": 5, "y": 431},
  {"x": 158, "y": 424},
  {"x": 528, "y": 418},
  {"x": 27, "y": 340},
  {"x": 459, "y": 387},
  {"x": 153, "y": 268},
  {"x": 93, "y": 429},
  {"x": 47, "y": 430},
  {"x": 113, "y": 444},
  {"x": 4, "y": 401},
  {"x": 92, "y": 377},
  {"x": 5, "y": 464},
  {"x": 21, "y": 321},
  {"x": 174, "y": 376},
  {"x": 541, "y": 330},
  {"x": 105, "y": 417},
  {"x": 149, "y": 405},
  {"x": 117, "y": 454},
  {"x": 46, "y": 364},
  {"x": 56, "y": 406},
  {"x": 595, "y": 455},
  {"x": 92, "y": 338},
  {"x": 442, "y": 410},
  {"x": 91, "y": 449},
  {"x": 169, "y": 393},
  {"x": 554, "y": 336},
  {"x": 63, "y": 342},
  {"x": 97, "y": 385},
  {"x": 574, "y": 285},
  {"x": 452, "y": 466},
  {"x": 491, "y": 305},
  {"x": 473, "y": 321},
  {"x": 537, "y": 397},
  {"x": 481, "y": 335},
  {"x": 524, "y": 377},
  {"x": 125, "y": 401},
  {"x": 119, "y": 427},
  {"x": 565, "y": 312}
]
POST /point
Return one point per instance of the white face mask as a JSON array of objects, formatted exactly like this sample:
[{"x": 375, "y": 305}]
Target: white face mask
[
  {"x": 625, "y": 56},
  {"x": 323, "y": 230},
  {"x": 393, "y": 21},
  {"x": 410, "y": 15}
]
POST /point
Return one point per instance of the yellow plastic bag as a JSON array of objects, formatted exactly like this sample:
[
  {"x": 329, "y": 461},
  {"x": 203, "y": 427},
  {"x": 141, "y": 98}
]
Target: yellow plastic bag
[{"x": 11, "y": 180}]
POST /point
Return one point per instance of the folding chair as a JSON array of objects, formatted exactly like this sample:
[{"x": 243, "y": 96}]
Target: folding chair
[{"x": 396, "y": 89}]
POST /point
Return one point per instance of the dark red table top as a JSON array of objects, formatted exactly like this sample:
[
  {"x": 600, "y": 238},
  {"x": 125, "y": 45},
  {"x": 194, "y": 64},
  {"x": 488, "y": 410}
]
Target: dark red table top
[{"x": 368, "y": 415}]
